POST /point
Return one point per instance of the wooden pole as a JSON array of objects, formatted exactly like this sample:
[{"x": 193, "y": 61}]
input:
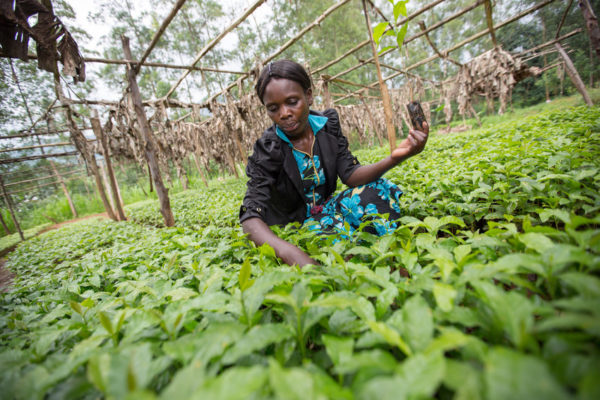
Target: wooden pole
[
  {"x": 64, "y": 189},
  {"x": 574, "y": 75},
  {"x": 81, "y": 143},
  {"x": 200, "y": 171},
  {"x": 385, "y": 95},
  {"x": 490, "y": 21},
  {"x": 149, "y": 145},
  {"x": 11, "y": 209},
  {"x": 112, "y": 183}
]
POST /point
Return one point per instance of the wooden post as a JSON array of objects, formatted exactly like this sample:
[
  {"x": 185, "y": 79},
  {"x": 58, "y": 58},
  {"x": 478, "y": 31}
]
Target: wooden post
[
  {"x": 64, "y": 188},
  {"x": 10, "y": 208},
  {"x": 199, "y": 168},
  {"x": 573, "y": 74},
  {"x": 387, "y": 105},
  {"x": 81, "y": 143},
  {"x": 326, "y": 95},
  {"x": 372, "y": 119},
  {"x": 149, "y": 145},
  {"x": 112, "y": 184}
]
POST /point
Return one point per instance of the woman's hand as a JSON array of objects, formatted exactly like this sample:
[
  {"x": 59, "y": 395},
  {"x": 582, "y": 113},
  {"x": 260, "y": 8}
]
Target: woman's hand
[
  {"x": 413, "y": 144},
  {"x": 259, "y": 232}
]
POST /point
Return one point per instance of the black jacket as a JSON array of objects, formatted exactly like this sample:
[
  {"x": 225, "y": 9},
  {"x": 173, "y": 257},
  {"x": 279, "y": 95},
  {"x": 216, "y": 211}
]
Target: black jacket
[{"x": 275, "y": 192}]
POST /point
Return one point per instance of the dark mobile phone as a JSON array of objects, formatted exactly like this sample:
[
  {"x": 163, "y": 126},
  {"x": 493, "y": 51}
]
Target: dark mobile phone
[{"x": 417, "y": 117}]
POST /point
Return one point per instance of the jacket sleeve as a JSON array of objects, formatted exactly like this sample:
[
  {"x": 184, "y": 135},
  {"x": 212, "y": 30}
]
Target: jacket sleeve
[
  {"x": 346, "y": 163},
  {"x": 263, "y": 167}
]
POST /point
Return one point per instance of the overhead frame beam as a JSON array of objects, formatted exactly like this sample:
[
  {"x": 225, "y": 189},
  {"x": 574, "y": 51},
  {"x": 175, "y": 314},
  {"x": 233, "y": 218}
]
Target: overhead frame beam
[
  {"x": 213, "y": 43},
  {"x": 464, "y": 42}
]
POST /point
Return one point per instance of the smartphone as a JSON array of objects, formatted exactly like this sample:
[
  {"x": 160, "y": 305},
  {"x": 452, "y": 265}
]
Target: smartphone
[{"x": 417, "y": 117}]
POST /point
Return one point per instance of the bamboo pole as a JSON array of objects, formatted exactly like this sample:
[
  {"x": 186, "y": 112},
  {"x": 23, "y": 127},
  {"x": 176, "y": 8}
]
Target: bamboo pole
[
  {"x": 36, "y": 157},
  {"x": 213, "y": 43},
  {"x": 11, "y": 208},
  {"x": 64, "y": 189},
  {"x": 490, "y": 21},
  {"x": 29, "y": 189},
  {"x": 36, "y": 147},
  {"x": 550, "y": 43},
  {"x": 81, "y": 143},
  {"x": 112, "y": 183},
  {"x": 200, "y": 171},
  {"x": 366, "y": 42},
  {"x": 387, "y": 105},
  {"x": 414, "y": 37},
  {"x": 574, "y": 75},
  {"x": 44, "y": 133},
  {"x": 159, "y": 33},
  {"x": 146, "y": 64},
  {"x": 149, "y": 144},
  {"x": 453, "y": 48},
  {"x": 19, "y": 183}
]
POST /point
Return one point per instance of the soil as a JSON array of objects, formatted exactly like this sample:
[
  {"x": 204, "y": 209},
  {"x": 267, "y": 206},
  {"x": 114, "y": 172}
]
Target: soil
[{"x": 7, "y": 276}]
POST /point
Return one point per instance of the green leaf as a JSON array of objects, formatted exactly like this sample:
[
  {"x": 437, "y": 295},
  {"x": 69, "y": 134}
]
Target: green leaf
[
  {"x": 513, "y": 375},
  {"x": 341, "y": 300},
  {"x": 586, "y": 284},
  {"x": 338, "y": 348},
  {"x": 444, "y": 296},
  {"x": 390, "y": 335},
  {"x": 400, "y": 36},
  {"x": 236, "y": 383},
  {"x": 291, "y": 383},
  {"x": 417, "y": 323},
  {"x": 106, "y": 322},
  {"x": 399, "y": 9},
  {"x": 536, "y": 241},
  {"x": 244, "y": 276},
  {"x": 386, "y": 48},
  {"x": 378, "y": 31},
  {"x": 257, "y": 338}
]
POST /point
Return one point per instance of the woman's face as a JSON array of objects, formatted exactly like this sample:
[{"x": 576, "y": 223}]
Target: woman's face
[{"x": 287, "y": 105}]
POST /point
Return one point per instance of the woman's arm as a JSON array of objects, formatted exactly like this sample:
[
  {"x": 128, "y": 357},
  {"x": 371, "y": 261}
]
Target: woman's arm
[
  {"x": 259, "y": 232},
  {"x": 412, "y": 145}
]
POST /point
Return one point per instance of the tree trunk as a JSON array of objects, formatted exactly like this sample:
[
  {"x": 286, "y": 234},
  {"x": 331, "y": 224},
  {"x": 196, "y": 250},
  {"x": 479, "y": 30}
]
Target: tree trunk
[
  {"x": 591, "y": 23},
  {"x": 112, "y": 181},
  {"x": 6, "y": 230},
  {"x": 573, "y": 74},
  {"x": 149, "y": 145},
  {"x": 11, "y": 208}
]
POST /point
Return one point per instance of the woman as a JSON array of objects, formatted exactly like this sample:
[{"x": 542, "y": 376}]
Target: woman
[{"x": 294, "y": 168}]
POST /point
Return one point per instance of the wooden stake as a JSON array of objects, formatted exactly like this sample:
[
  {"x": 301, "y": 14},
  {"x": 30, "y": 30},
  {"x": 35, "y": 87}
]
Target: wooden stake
[
  {"x": 200, "y": 171},
  {"x": 112, "y": 183},
  {"x": 11, "y": 209},
  {"x": 574, "y": 75},
  {"x": 64, "y": 189},
  {"x": 385, "y": 95},
  {"x": 149, "y": 145},
  {"x": 81, "y": 143}
]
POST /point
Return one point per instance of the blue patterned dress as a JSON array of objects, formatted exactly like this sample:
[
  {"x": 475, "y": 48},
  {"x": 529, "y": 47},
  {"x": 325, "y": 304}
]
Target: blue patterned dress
[{"x": 376, "y": 203}]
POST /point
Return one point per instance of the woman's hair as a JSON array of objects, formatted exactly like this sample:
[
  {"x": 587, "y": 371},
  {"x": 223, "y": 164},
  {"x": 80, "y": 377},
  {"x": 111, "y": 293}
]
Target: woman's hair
[{"x": 283, "y": 69}]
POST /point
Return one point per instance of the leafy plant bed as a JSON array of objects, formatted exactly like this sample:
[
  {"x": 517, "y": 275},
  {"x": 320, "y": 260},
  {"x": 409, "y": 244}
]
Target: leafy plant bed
[{"x": 489, "y": 289}]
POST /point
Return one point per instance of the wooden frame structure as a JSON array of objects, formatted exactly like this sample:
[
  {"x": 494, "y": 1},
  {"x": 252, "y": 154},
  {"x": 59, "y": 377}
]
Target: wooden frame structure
[{"x": 147, "y": 136}]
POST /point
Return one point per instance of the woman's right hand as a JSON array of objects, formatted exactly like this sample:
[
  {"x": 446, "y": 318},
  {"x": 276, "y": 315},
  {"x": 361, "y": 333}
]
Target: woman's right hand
[{"x": 259, "y": 232}]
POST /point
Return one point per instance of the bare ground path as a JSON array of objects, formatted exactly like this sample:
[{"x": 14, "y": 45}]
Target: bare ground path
[{"x": 6, "y": 276}]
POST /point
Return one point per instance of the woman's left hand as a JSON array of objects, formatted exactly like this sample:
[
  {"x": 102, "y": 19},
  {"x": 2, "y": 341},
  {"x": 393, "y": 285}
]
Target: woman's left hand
[{"x": 413, "y": 144}]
